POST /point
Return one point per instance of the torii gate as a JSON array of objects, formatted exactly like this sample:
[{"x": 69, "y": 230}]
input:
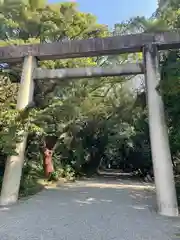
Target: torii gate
[{"x": 149, "y": 44}]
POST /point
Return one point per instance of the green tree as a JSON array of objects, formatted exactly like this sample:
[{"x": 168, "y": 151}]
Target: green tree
[{"x": 68, "y": 111}]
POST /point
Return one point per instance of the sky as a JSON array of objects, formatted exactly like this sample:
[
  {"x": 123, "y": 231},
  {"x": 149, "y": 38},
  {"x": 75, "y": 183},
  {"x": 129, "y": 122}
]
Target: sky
[{"x": 114, "y": 11}]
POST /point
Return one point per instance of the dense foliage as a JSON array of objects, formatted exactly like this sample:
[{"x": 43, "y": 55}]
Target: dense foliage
[{"x": 89, "y": 123}]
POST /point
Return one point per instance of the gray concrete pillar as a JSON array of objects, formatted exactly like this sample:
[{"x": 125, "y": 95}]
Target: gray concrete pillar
[
  {"x": 161, "y": 156},
  {"x": 14, "y": 164}
]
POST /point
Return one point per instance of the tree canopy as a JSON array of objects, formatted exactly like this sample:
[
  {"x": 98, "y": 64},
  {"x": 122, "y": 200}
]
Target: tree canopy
[{"x": 87, "y": 122}]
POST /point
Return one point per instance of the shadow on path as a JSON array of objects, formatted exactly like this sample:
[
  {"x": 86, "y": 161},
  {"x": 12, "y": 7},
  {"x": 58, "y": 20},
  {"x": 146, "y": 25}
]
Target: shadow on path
[{"x": 89, "y": 209}]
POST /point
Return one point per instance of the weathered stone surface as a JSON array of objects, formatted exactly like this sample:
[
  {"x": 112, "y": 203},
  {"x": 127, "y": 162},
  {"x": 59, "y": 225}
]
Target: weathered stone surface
[
  {"x": 88, "y": 72},
  {"x": 91, "y": 47}
]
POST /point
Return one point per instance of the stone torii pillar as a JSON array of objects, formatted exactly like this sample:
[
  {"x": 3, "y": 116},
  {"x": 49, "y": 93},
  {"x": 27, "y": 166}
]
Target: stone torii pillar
[
  {"x": 14, "y": 164},
  {"x": 161, "y": 156}
]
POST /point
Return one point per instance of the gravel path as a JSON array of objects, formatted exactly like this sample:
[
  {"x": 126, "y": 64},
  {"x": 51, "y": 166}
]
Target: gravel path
[{"x": 88, "y": 210}]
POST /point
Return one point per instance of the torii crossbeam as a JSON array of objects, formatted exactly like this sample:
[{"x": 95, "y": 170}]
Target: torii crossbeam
[{"x": 149, "y": 45}]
